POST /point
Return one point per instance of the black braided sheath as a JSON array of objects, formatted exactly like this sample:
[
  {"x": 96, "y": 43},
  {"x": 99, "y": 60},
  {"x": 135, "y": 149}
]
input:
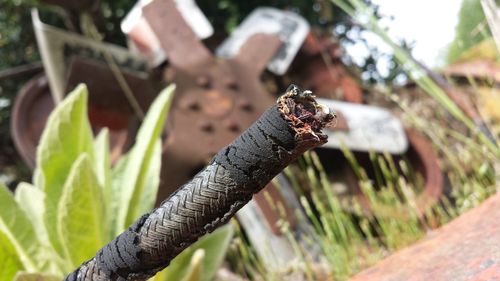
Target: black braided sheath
[{"x": 209, "y": 200}]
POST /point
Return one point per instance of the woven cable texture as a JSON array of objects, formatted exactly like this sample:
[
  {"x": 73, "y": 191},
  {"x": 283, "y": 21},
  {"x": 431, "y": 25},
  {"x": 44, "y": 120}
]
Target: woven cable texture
[{"x": 210, "y": 199}]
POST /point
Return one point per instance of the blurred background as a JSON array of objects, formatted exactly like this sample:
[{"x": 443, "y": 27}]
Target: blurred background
[{"x": 414, "y": 83}]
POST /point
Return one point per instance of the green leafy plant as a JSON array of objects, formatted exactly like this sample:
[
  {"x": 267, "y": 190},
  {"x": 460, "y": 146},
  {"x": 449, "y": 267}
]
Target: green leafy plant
[{"x": 78, "y": 202}]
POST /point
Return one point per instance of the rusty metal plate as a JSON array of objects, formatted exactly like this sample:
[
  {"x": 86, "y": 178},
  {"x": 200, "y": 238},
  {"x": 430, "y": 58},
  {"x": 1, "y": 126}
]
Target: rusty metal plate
[
  {"x": 467, "y": 248},
  {"x": 182, "y": 46},
  {"x": 482, "y": 69}
]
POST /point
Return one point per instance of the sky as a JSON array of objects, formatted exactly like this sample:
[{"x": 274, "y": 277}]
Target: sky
[{"x": 430, "y": 24}]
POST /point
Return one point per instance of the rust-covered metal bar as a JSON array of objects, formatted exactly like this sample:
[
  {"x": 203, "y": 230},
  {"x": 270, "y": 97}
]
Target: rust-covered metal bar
[
  {"x": 213, "y": 196},
  {"x": 467, "y": 248},
  {"x": 254, "y": 55},
  {"x": 22, "y": 70},
  {"x": 179, "y": 41}
]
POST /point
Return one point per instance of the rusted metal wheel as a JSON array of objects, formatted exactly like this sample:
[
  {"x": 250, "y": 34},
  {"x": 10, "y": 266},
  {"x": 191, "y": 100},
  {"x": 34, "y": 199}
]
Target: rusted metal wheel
[
  {"x": 317, "y": 67},
  {"x": 426, "y": 161},
  {"x": 31, "y": 108}
]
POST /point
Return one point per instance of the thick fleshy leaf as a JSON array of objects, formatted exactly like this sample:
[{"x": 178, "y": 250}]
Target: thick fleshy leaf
[
  {"x": 66, "y": 136},
  {"x": 25, "y": 276},
  {"x": 118, "y": 176},
  {"x": 81, "y": 224},
  {"x": 38, "y": 180},
  {"x": 9, "y": 260},
  {"x": 195, "y": 271},
  {"x": 215, "y": 246},
  {"x": 148, "y": 196},
  {"x": 31, "y": 200},
  {"x": 103, "y": 172},
  {"x": 135, "y": 180},
  {"x": 102, "y": 162},
  {"x": 17, "y": 227}
]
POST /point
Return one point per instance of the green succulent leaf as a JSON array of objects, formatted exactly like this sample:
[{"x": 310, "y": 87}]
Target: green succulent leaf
[
  {"x": 67, "y": 135},
  {"x": 215, "y": 247},
  {"x": 102, "y": 162},
  {"x": 17, "y": 228},
  {"x": 9, "y": 260},
  {"x": 38, "y": 179},
  {"x": 147, "y": 198},
  {"x": 25, "y": 276},
  {"x": 195, "y": 270},
  {"x": 31, "y": 201},
  {"x": 82, "y": 226},
  {"x": 135, "y": 179},
  {"x": 118, "y": 176}
]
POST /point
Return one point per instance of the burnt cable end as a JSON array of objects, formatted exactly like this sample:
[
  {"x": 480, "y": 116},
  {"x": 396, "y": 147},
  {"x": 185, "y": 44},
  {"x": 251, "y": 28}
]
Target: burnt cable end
[{"x": 305, "y": 115}]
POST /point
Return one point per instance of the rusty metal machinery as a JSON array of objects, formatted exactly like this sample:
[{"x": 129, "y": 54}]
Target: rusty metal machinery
[{"x": 216, "y": 99}]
